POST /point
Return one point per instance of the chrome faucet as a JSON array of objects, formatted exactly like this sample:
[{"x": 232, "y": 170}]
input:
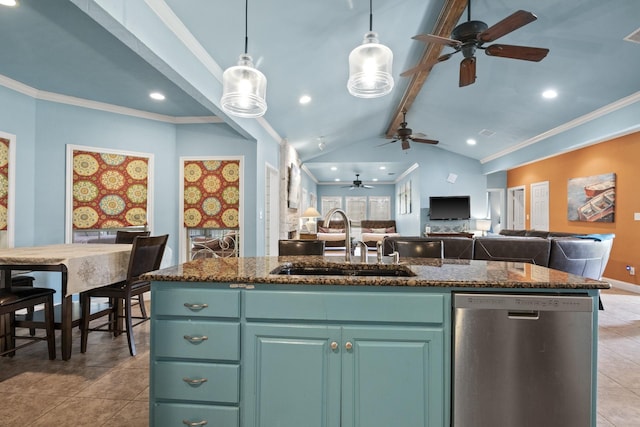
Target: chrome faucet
[{"x": 347, "y": 230}]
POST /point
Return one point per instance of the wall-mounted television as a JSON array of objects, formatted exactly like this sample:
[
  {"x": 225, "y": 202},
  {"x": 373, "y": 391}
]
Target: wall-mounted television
[{"x": 449, "y": 207}]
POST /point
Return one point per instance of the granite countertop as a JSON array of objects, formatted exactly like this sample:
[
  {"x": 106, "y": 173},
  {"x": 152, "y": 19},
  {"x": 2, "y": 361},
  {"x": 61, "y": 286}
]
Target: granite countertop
[{"x": 428, "y": 273}]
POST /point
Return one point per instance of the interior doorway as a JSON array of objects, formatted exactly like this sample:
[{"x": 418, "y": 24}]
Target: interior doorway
[
  {"x": 495, "y": 208},
  {"x": 516, "y": 208},
  {"x": 540, "y": 206}
]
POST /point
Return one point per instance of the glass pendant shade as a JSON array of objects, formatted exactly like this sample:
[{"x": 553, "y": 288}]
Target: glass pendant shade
[
  {"x": 244, "y": 89},
  {"x": 370, "y": 68}
]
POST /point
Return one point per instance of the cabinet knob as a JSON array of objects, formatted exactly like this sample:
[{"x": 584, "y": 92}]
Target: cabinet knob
[
  {"x": 334, "y": 345},
  {"x": 194, "y": 381},
  {"x": 195, "y": 423},
  {"x": 196, "y": 339},
  {"x": 348, "y": 345},
  {"x": 195, "y": 307}
]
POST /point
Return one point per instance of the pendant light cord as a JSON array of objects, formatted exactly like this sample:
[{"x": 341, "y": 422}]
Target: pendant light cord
[
  {"x": 246, "y": 25},
  {"x": 370, "y": 15}
]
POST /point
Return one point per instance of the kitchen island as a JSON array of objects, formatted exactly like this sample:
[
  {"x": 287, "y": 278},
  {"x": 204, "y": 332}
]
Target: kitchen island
[{"x": 235, "y": 344}]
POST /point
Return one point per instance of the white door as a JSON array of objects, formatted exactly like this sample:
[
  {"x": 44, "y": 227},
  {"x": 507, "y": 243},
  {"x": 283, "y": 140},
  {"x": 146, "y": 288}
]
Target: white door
[
  {"x": 271, "y": 211},
  {"x": 540, "y": 206},
  {"x": 516, "y": 208}
]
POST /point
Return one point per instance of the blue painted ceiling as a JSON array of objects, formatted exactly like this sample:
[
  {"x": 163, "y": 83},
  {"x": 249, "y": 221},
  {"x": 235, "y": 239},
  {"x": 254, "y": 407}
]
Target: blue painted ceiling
[{"x": 302, "y": 47}]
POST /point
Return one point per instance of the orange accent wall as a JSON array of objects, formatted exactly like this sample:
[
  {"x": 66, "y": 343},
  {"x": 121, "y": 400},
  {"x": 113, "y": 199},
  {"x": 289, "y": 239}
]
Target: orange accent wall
[{"x": 620, "y": 156}]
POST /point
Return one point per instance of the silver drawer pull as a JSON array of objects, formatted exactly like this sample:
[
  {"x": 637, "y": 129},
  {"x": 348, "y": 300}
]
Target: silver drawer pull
[
  {"x": 196, "y": 339},
  {"x": 195, "y": 307},
  {"x": 195, "y": 423},
  {"x": 194, "y": 381}
]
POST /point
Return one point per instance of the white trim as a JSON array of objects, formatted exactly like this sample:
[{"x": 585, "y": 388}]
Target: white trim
[
  {"x": 621, "y": 103},
  {"x": 68, "y": 216},
  {"x": 622, "y": 285},
  {"x": 101, "y": 106},
  {"x": 11, "y": 195},
  {"x": 406, "y": 173},
  {"x": 182, "y": 249}
]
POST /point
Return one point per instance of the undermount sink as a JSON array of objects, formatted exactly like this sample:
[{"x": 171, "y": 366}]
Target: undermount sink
[{"x": 344, "y": 270}]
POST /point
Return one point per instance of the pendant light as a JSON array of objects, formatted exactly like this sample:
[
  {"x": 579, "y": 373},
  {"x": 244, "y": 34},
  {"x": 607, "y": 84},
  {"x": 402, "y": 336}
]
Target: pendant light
[
  {"x": 370, "y": 66},
  {"x": 243, "y": 86}
]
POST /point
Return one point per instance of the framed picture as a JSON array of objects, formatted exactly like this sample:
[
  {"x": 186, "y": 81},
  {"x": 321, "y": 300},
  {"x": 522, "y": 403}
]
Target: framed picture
[
  {"x": 592, "y": 198},
  {"x": 293, "y": 199}
]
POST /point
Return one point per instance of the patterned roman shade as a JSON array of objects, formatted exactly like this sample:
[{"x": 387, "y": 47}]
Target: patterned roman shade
[
  {"x": 109, "y": 190},
  {"x": 4, "y": 182},
  {"x": 211, "y": 193}
]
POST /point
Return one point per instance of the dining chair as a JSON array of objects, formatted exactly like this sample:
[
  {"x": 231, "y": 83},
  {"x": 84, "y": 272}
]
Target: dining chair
[
  {"x": 146, "y": 255},
  {"x": 123, "y": 236},
  {"x": 300, "y": 247},
  {"x": 419, "y": 248},
  {"x": 14, "y": 299}
]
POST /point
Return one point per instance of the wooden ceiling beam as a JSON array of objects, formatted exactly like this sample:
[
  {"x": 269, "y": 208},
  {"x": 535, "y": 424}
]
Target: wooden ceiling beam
[{"x": 450, "y": 14}]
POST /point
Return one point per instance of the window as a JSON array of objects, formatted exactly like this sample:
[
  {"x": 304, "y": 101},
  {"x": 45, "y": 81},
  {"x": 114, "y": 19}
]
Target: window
[
  {"x": 330, "y": 202},
  {"x": 356, "y": 208},
  {"x": 379, "y": 207}
]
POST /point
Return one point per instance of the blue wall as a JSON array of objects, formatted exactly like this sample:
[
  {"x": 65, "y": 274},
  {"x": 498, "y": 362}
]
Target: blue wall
[{"x": 43, "y": 129}]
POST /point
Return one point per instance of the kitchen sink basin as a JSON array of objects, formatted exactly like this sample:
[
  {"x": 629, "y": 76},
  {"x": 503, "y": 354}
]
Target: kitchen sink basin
[{"x": 344, "y": 270}]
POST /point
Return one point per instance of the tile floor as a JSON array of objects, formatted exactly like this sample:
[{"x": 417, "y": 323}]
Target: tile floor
[{"x": 107, "y": 387}]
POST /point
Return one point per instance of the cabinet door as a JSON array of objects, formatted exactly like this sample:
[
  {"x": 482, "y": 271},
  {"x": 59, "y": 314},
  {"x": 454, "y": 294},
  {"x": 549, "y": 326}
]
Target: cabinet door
[
  {"x": 291, "y": 376},
  {"x": 392, "y": 376}
]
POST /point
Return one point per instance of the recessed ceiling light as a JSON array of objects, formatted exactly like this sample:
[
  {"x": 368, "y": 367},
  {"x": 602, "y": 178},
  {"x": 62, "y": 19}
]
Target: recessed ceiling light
[
  {"x": 549, "y": 94},
  {"x": 8, "y": 2},
  {"x": 374, "y": 179},
  {"x": 382, "y": 168},
  {"x": 471, "y": 141},
  {"x": 157, "y": 96},
  {"x": 304, "y": 99},
  {"x": 336, "y": 179},
  {"x": 334, "y": 168}
]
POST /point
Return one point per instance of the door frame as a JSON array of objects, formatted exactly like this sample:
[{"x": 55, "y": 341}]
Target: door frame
[{"x": 511, "y": 199}]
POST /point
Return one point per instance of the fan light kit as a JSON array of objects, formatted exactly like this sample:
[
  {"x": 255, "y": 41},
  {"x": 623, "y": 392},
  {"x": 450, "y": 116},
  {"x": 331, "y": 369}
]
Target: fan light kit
[
  {"x": 370, "y": 66},
  {"x": 244, "y": 87},
  {"x": 472, "y": 35}
]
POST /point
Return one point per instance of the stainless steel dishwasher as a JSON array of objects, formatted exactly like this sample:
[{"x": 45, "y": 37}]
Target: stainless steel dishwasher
[{"x": 522, "y": 360}]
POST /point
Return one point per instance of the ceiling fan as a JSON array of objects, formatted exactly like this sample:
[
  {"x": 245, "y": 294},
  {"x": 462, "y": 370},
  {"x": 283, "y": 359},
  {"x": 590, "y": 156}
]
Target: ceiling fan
[
  {"x": 357, "y": 184},
  {"x": 471, "y": 35},
  {"x": 405, "y": 134}
]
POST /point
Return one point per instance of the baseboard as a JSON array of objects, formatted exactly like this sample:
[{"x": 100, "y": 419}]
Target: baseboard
[{"x": 626, "y": 286}]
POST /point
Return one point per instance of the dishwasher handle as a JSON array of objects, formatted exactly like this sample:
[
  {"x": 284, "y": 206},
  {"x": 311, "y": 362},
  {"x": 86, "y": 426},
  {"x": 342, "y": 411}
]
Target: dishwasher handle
[{"x": 523, "y": 314}]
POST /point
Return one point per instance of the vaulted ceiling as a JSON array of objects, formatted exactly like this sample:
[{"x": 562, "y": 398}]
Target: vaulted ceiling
[{"x": 55, "y": 47}]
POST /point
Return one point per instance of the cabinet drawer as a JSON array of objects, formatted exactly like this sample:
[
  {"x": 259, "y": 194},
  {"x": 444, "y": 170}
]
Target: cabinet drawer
[
  {"x": 196, "y": 339},
  {"x": 409, "y": 307},
  {"x": 195, "y": 302},
  {"x": 174, "y": 414},
  {"x": 221, "y": 385}
]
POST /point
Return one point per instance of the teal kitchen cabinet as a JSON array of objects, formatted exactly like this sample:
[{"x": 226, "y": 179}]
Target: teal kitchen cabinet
[
  {"x": 355, "y": 376},
  {"x": 298, "y": 355},
  {"x": 334, "y": 364}
]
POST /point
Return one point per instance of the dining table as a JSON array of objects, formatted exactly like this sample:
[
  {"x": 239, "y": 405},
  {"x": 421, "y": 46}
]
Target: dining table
[{"x": 82, "y": 266}]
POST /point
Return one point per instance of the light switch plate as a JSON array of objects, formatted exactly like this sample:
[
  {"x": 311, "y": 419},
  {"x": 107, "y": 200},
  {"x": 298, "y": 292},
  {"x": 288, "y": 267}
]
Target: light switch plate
[{"x": 636, "y": 216}]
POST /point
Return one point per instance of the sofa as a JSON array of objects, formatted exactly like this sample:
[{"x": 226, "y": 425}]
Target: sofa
[
  {"x": 374, "y": 231},
  {"x": 333, "y": 235},
  {"x": 581, "y": 254}
]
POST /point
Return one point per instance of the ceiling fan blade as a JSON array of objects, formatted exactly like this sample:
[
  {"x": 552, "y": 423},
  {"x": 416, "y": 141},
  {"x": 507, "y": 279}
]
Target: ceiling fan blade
[
  {"x": 467, "y": 71},
  {"x": 426, "y": 141},
  {"x": 507, "y": 25},
  {"x": 517, "y": 52},
  {"x": 430, "y": 38},
  {"x": 385, "y": 143},
  {"x": 367, "y": 186},
  {"x": 405, "y": 145},
  {"x": 427, "y": 65}
]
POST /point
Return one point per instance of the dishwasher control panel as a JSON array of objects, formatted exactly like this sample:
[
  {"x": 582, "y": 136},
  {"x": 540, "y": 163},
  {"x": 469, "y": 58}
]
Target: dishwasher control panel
[{"x": 541, "y": 302}]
